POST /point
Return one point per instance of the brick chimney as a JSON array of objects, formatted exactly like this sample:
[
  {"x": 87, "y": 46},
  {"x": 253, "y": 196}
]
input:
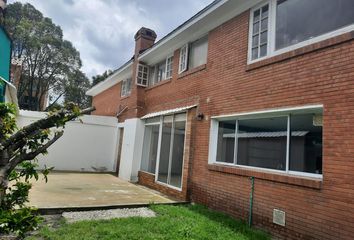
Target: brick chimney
[{"x": 144, "y": 39}]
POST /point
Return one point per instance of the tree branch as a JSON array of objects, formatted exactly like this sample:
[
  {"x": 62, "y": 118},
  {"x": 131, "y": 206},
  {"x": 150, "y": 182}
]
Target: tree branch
[{"x": 30, "y": 156}]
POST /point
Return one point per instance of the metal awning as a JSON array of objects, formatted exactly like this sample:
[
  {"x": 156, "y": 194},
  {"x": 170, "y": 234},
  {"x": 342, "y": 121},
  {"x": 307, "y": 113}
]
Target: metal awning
[
  {"x": 266, "y": 134},
  {"x": 168, "y": 112}
]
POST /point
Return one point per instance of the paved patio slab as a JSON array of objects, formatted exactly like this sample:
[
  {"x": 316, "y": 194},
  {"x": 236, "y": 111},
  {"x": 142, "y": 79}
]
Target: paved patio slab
[{"x": 75, "y": 190}]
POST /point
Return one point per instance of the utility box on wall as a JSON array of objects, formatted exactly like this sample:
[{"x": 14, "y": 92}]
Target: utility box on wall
[{"x": 279, "y": 217}]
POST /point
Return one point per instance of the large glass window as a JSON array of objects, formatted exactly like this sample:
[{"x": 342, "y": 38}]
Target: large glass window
[
  {"x": 226, "y": 142},
  {"x": 165, "y": 149},
  {"x": 306, "y": 143},
  {"x": 291, "y": 143},
  {"x": 262, "y": 143},
  {"x": 178, "y": 151},
  {"x": 287, "y": 24},
  {"x": 300, "y": 20},
  {"x": 151, "y": 139}
]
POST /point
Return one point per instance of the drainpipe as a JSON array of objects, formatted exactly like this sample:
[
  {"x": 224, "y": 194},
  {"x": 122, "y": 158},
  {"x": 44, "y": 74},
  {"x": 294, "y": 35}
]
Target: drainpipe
[{"x": 251, "y": 203}]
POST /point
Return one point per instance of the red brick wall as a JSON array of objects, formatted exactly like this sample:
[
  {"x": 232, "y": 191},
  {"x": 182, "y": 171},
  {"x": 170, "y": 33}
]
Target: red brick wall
[{"x": 319, "y": 74}]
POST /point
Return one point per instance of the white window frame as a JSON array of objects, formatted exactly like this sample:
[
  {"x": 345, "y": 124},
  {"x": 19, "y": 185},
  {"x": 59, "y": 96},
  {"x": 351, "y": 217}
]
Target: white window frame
[
  {"x": 140, "y": 80},
  {"x": 124, "y": 88},
  {"x": 160, "y": 124},
  {"x": 214, "y": 129},
  {"x": 183, "y": 59},
  {"x": 170, "y": 57},
  {"x": 271, "y": 52}
]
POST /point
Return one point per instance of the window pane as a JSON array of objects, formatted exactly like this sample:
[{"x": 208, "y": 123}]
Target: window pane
[
  {"x": 152, "y": 77},
  {"x": 151, "y": 138},
  {"x": 198, "y": 53},
  {"x": 262, "y": 143},
  {"x": 177, "y": 154},
  {"x": 256, "y": 15},
  {"x": 165, "y": 150},
  {"x": 264, "y": 38},
  {"x": 264, "y": 25},
  {"x": 254, "y": 53},
  {"x": 255, "y": 41},
  {"x": 265, "y": 11},
  {"x": 226, "y": 142},
  {"x": 306, "y": 144},
  {"x": 300, "y": 20},
  {"x": 263, "y": 51},
  {"x": 161, "y": 71},
  {"x": 256, "y": 28}
]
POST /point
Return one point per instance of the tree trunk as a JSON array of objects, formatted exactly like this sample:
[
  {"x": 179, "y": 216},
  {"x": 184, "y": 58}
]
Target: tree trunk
[{"x": 3, "y": 187}]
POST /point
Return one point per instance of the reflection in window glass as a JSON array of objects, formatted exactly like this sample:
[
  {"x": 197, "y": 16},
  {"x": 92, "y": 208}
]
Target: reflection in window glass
[
  {"x": 165, "y": 149},
  {"x": 306, "y": 143},
  {"x": 300, "y": 20},
  {"x": 177, "y": 153},
  {"x": 226, "y": 142},
  {"x": 151, "y": 138},
  {"x": 262, "y": 143}
]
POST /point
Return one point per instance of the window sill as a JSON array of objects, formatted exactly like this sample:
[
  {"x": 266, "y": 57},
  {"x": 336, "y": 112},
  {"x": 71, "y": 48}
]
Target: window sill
[
  {"x": 163, "y": 82},
  {"x": 124, "y": 97},
  {"x": 264, "y": 175},
  {"x": 192, "y": 71},
  {"x": 301, "y": 51}
]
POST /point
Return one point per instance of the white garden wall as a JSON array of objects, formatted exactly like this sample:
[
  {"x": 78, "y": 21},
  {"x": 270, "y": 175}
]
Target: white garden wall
[{"x": 90, "y": 146}]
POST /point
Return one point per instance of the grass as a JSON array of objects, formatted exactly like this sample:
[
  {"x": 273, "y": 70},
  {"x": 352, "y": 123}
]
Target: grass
[{"x": 172, "y": 222}]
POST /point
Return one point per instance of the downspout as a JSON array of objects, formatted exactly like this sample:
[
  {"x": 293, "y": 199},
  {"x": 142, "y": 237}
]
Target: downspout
[{"x": 251, "y": 203}]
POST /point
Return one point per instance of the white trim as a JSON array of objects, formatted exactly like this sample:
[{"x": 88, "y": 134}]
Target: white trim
[
  {"x": 186, "y": 26},
  {"x": 142, "y": 79},
  {"x": 166, "y": 69},
  {"x": 115, "y": 78},
  {"x": 272, "y": 34},
  {"x": 274, "y": 111},
  {"x": 268, "y": 170},
  {"x": 169, "y": 186},
  {"x": 168, "y": 112},
  {"x": 183, "y": 66}
]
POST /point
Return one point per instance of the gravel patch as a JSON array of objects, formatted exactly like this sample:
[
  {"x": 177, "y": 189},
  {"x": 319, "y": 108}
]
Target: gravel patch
[{"x": 72, "y": 217}]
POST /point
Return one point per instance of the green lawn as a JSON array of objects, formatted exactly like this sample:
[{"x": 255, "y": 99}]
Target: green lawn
[{"x": 172, "y": 222}]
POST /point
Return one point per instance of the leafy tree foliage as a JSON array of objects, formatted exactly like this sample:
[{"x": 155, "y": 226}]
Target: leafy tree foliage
[
  {"x": 101, "y": 77},
  {"x": 18, "y": 151},
  {"x": 50, "y": 63}
]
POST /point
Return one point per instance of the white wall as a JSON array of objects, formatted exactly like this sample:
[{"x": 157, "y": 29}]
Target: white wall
[
  {"x": 89, "y": 146},
  {"x": 131, "y": 149}
]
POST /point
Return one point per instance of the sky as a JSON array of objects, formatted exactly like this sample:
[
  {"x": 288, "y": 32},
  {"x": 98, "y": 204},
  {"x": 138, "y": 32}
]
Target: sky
[{"x": 103, "y": 30}]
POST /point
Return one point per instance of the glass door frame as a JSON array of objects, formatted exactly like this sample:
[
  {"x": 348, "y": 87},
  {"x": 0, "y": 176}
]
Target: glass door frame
[{"x": 171, "y": 151}]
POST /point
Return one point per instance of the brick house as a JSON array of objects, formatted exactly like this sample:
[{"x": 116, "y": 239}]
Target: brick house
[{"x": 261, "y": 89}]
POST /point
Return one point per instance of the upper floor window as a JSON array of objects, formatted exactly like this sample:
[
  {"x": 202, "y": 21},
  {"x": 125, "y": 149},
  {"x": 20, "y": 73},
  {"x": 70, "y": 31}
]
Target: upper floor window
[
  {"x": 260, "y": 24},
  {"x": 161, "y": 71},
  {"x": 193, "y": 55},
  {"x": 126, "y": 87},
  {"x": 142, "y": 75},
  {"x": 288, "y": 142},
  {"x": 281, "y": 25}
]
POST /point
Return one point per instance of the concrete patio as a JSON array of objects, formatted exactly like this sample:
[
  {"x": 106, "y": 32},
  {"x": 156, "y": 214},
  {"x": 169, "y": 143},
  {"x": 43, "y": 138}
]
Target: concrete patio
[{"x": 81, "y": 190}]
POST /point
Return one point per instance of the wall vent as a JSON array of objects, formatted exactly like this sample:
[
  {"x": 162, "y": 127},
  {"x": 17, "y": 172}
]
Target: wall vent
[{"x": 279, "y": 217}]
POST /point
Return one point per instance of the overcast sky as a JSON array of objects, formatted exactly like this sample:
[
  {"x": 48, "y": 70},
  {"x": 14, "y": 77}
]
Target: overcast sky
[{"x": 103, "y": 30}]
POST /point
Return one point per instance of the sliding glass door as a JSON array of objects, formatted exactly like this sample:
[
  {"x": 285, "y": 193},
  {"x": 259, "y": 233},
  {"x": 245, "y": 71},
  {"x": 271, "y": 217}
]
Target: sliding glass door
[{"x": 168, "y": 149}]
